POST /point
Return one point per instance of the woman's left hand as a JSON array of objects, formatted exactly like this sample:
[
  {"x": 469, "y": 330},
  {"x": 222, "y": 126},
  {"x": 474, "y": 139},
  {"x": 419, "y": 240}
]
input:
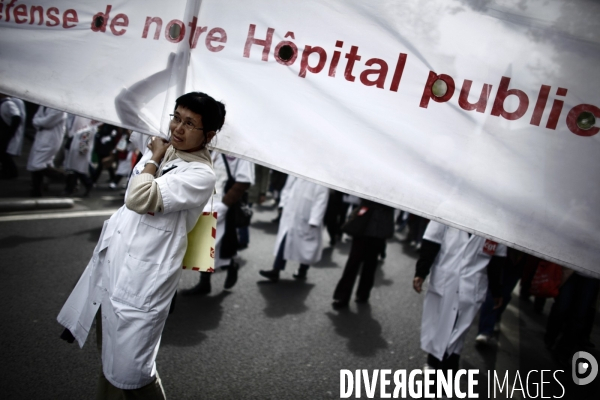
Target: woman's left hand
[{"x": 158, "y": 146}]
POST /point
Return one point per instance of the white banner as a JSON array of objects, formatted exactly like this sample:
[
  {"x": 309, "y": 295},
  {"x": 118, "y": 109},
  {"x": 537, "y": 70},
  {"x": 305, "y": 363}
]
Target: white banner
[{"x": 344, "y": 93}]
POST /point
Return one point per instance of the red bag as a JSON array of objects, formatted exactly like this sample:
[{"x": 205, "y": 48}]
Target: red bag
[{"x": 547, "y": 280}]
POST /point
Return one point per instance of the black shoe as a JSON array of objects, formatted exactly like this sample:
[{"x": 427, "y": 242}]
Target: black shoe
[
  {"x": 339, "y": 304},
  {"x": 361, "y": 300},
  {"x": 202, "y": 288},
  {"x": 301, "y": 273},
  {"x": 232, "y": 275},
  {"x": 272, "y": 275}
]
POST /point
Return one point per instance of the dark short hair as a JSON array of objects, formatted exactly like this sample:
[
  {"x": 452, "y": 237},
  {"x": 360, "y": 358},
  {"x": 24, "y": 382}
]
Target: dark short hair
[{"x": 211, "y": 110}]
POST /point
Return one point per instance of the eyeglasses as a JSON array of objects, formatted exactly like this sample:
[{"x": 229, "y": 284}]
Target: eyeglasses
[{"x": 187, "y": 124}]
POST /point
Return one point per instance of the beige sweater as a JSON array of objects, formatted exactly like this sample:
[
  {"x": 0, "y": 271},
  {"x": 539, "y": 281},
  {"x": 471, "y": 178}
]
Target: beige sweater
[{"x": 144, "y": 196}]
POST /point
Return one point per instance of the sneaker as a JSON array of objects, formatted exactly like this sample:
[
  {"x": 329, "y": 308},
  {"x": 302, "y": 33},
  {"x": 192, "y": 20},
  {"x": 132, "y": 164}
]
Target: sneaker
[
  {"x": 482, "y": 338},
  {"x": 272, "y": 275}
]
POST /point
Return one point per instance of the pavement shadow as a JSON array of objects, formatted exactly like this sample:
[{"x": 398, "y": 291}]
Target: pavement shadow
[
  {"x": 361, "y": 329},
  {"x": 269, "y": 228},
  {"x": 343, "y": 246},
  {"x": 409, "y": 251},
  {"x": 327, "y": 259},
  {"x": 94, "y": 234},
  {"x": 193, "y": 316},
  {"x": 380, "y": 279},
  {"x": 16, "y": 240},
  {"x": 284, "y": 297}
]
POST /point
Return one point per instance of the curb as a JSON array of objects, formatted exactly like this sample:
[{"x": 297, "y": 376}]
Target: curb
[{"x": 35, "y": 204}]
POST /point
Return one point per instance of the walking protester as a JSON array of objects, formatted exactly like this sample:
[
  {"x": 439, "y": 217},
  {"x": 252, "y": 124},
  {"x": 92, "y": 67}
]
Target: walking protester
[
  {"x": 256, "y": 195},
  {"x": 370, "y": 225},
  {"x": 137, "y": 263},
  {"x": 458, "y": 262},
  {"x": 489, "y": 318},
  {"x": 299, "y": 237},
  {"x": 50, "y": 125},
  {"x": 78, "y": 156},
  {"x": 234, "y": 177},
  {"x": 12, "y": 130}
]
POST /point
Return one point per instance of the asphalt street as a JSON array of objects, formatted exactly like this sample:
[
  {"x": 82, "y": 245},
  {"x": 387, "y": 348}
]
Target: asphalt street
[{"x": 260, "y": 340}]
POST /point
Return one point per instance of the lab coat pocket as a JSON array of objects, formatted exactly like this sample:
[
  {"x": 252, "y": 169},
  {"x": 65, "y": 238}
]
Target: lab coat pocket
[
  {"x": 308, "y": 233},
  {"x": 159, "y": 221},
  {"x": 437, "y": 280},
  {"x": 134, "y": 282}
]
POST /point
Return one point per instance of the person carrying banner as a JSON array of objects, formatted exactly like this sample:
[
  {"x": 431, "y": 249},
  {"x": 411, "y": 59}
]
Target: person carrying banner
[
  {"x": 299, "y": 237},
  {"x": 135, "y": 268},
  {"x": 458, "y": 262}
]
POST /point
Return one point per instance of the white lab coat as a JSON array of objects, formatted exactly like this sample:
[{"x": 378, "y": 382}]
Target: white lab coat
[
  {"x": 242, "y": 171},
  {"x": 50, "y": 125},
  {"x": 134, "y": 272},
  {"x": 457, "y": 286},
  {"x": 304, "y": 204},
  {"x": 79, "y": 155},
  {"x": 9, "y": 109}
]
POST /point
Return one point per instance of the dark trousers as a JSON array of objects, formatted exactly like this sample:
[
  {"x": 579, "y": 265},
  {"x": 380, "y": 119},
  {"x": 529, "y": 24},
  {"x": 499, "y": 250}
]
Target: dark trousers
[
  {"x": 9, "y": 168},
  {"x": 335, "y": 215},
  {"x": 567, "y": 326},
  {"x": 37, "y": 182},
  {"x": 279, "y": 263},
  {"x": 489, "y": 317},
  {"x": 72, "y": 178},
  {"x": 364, "y": 251}
]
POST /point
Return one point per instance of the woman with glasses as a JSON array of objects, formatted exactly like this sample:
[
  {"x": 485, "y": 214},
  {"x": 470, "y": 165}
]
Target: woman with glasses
[{"x": 136, "y": 265}]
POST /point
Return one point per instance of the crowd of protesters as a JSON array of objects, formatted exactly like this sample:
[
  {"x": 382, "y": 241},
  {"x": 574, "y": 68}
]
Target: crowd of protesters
[{"x": 468, "y": 275}]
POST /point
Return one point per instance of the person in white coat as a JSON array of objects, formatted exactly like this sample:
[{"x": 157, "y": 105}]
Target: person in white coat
[
  {"x": 12, "y": 130},
  {"x": 78, "y": 154},
  {"x": 460, "y": 264},
  {"x": 136, "y": 265},
  {"x": 299, "y": 237},
  {"x": 234, "y": 177},
  {"x": 50, "y": 125}
]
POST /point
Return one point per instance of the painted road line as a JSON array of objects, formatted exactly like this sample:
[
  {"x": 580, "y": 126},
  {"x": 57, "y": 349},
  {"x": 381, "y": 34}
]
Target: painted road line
[{"x": 73, "y": 214}]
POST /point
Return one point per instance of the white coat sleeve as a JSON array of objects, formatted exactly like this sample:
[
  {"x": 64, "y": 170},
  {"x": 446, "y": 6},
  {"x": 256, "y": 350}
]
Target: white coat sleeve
[
  {"x": 9, "y": 110},
  {"x": 435, "y": 232},
  {"x": 319, "y": 205},
  {"x": 48, "y": 120},
  {"x": 501, "y": 250},
  {"x": 244, "y": 172},
  {"x": 189, "y": 189}
]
